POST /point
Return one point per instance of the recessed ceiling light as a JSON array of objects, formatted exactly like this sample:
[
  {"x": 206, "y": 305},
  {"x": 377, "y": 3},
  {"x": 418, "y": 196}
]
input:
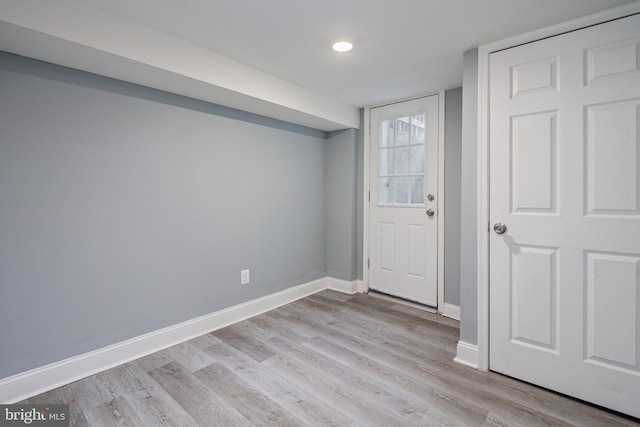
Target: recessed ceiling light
[{"x": 341, "y": 45}]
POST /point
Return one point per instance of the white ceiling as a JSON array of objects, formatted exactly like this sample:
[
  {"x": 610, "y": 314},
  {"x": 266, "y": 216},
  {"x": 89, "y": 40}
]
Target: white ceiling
[
  {"x": 271, "y": 57},
  {"x": 403, "y": 48}
]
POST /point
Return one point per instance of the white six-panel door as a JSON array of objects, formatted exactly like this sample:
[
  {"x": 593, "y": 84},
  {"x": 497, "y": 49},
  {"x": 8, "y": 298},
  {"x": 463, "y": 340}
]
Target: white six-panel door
[
  {"x": 404, "y": 200},
  {"x": 565, "y": 181}
]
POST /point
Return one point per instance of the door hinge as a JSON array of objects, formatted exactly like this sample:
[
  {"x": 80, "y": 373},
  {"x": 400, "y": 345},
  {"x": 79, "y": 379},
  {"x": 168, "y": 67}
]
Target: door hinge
[
  {"x": 369, "y": 195},
  {"x": 368, "y": 263}
]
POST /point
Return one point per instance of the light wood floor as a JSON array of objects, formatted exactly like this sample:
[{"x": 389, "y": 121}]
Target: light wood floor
[{"x": 328, "y": 359}]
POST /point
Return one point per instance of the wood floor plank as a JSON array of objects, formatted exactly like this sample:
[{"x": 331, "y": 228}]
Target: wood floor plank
[
  {"x": 391, "y": 313},
  {"x": 367, "y": 328},
  {"x": 422, "y": 397},
  {"x": 245, "y": 343},
  {"x": 205, "y": 341},
  {"x": 452, "y": 409},
  {"x": 204, "y": 405},
  {"x": 80, "y": 395},
  {"x": 63, "y": 395},
  {"x": 189, "y": 356},
  {"x": 249, "y": 326},
  {"x": 152, "y": 402},
  {"x": 256, "y": 406},
  {"x": 302, "y": 404},
  {"x": 154, "y": 361},
  {"x": 356, "y": 406},
  {"x": 337, "y": 296},
  {"x": 357, "y": 383},
  {"x": 416, "y": 312},
  {"x": 116, "y": 412},
  {"x": 388, "y": 321},
  {"x": 284, "y": 326}
]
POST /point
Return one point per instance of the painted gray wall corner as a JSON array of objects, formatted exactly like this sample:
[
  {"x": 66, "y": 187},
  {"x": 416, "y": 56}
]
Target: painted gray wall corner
[
  {"x": 341, "y": 205},
  {"x": 122, "y": 215},
  {"x": 468, "y": 201},
  {"x": 452, "y": 185}
]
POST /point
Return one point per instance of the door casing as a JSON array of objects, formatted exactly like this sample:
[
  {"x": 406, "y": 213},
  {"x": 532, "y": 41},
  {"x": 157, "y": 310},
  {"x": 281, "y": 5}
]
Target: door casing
[
  {"x": 482, "y": 227},
  {"x": 441, "y": 193}
]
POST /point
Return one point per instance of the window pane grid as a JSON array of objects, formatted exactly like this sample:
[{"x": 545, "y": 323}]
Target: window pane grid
[{"x": 401, "y": 160}]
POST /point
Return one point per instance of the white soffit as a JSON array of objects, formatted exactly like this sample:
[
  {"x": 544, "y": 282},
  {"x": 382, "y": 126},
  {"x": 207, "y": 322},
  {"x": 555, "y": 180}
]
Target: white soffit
[{"x": 79, "y": 36}]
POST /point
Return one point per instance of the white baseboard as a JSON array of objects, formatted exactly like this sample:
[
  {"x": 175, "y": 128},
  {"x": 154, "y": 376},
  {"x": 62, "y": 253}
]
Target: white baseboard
[
  {"x": 27, "y": 384},
  {"x": 467, "y": 354},
  {"x": 344, "y": 286},
  {"x": 452, "y": 311},
  {"x": 362, "y": 288}
]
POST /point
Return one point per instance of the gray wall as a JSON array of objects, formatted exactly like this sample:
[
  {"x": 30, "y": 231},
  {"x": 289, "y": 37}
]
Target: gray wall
[
  {"x": 469, "y": 209},
  {"x": 452, "y": 171},
  {"x": 341, "y": 185},
  {"x": 124, "y": 210}
]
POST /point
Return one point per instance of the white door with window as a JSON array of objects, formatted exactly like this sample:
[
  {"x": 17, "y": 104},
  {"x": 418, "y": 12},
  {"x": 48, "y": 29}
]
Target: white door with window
[
  {"x": 565, "y": 213},
  {"x": 404, "y": 200}
]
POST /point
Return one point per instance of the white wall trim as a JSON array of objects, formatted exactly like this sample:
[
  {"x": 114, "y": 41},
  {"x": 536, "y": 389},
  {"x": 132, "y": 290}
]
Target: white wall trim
[
  {"x": 362, "y": 288},
  {"x": 482, "y": 192},
  {"x": 483, "y": 154},
  {"x": 451, "y": 311},
  {"x": 27, "y": 384},
  {"x": 366, "y": 188},
  {"x": 344, "y": 286},
  {"x": 467, "y": 354}
]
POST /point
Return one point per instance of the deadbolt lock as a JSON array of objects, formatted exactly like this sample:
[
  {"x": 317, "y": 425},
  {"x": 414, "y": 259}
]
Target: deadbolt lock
[{"x": 431, "y": 197}]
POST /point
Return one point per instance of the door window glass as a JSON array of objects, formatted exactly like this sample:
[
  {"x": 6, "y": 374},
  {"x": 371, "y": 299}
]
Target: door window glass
[{"x": 401, "y": 165}]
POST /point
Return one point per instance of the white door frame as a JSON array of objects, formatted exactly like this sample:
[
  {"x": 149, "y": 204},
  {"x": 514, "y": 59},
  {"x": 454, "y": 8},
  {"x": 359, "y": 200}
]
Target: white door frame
[
  {"x": 483, "y": 153},
  {"x": 366, "y": 186}
]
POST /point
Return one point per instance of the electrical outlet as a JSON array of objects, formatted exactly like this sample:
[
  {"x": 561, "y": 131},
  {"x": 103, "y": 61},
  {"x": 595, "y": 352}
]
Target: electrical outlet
[{"x": 244, "y": 277}]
